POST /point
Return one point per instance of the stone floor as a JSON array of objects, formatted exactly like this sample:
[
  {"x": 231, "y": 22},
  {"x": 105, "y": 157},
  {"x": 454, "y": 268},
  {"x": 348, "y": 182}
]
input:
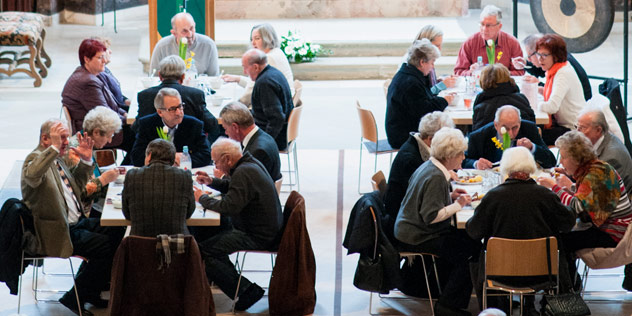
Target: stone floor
[{"x": 328, "y": 152}]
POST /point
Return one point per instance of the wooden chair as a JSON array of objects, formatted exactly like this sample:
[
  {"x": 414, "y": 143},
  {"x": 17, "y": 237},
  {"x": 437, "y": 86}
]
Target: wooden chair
[
  {"x": 292, "y": 135},
  {"x": 298, "y": 89},
  {"x": 518, "y": 257},
  {"x": 378, "y": 182},
  {"x": 373, "y": 145},
  {"x": 105, "y": 157}
]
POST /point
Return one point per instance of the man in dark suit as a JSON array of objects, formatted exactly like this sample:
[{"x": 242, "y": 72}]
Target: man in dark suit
[
  {"x": 171, "y": 74},
  {"x": 182, "y": 130},
  {"x": 240, "y": 126},
  {"x": 482, "y": 151},
  {"x": 158, "y": 198},
  {"x": 51, "y": 190},
  {"x": 271, "y": 96}
]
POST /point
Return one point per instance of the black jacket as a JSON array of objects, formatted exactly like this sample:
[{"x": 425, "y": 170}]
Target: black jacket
[
  {"x": 581, "y": 74},
  {"x": 263, "y": 147},
  {"x": 12, "y": 236},
  {"x": 272, "y": 104},
  {"x": 407, "y": 101},
  {"x": 488, "y": 101}
]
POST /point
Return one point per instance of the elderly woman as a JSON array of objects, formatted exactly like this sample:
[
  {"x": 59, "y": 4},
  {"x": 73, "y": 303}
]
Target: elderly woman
[
  {"x": 409, "y": 97},
  {"x": 108, "y": 77},
  {"x": 563, "y": 93},
  {"x": 535, "y": 212},
  {"x": 424, "y": 220},
  {"x": 435, "y": 35},
  {"x": 499, "y": 89},
  {"x": 264, "y": 37},
  {"x": 84, "y": 91},
  {"x": 414, "y": 152}
]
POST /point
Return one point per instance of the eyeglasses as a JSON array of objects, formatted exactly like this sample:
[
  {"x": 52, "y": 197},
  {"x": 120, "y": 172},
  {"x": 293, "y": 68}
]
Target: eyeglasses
[
  {"x": 542, "y": 55},
  {"x": 174, "y": 108},
  {"x": 489, "y": 25},
  {"x": 531, "y": 55},
  {"x": 581, "y": 128}
]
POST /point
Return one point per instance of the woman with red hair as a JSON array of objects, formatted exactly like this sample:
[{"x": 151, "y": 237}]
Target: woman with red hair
[{"x": 563, "y": 93}]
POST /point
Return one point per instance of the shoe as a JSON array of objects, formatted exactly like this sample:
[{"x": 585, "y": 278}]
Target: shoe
[
  {"x": 97, "y": 301},
  {"x": 69, "y": 300},
  {"x": 627, "y": 281},
  {"x": 249, "y": 297},
  {"x": 442, "y": 310}
]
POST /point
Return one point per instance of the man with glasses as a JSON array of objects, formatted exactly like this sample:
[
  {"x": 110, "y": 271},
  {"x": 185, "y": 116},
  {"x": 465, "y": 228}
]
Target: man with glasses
[
  {"x": 490, "y": 43},
  {"x": 169, "y": 122}
]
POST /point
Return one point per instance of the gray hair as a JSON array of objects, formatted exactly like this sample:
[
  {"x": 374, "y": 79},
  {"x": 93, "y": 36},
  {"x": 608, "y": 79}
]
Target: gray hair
[
  {"x": 491, "y": 10},
  {"x": 171, "y": 67},
  {"x": 268, "y": 35},
  {"x": 159, "y": 100},
  {"x": 103, "y": 118},
  {"x": 504, "y": 108},
  {"x": 256, "y": 56},
  {"x": 432, "y": 122},
  {"x": 530, "y": 41},
  {"x": 226, "y": 146},
  {"x": 161, "y": 151},
  {"x": 431, "y": 32},
  {"x": 46, "y": 126},
  {"x": 492, "y": 312},
  {"x": 180, "y": 15},
  {"x": 422, "y": 50},
  {"x": 577, "y": 146},
  {"x": 517, "y": 159},
  {"x": 597, "y": 118},
  {"x": 237, "y": 112},
  {"x": 447, "y": 143}
]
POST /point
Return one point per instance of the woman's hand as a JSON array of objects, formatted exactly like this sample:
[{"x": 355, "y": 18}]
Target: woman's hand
[
  {"x": 464, "y": 200},
  {"x": 564, "y": 181},
  {"x": 231, "y": 78},
  {"x": 547, "y": 182},
  {"x": 109, "y": 176},
  {"x": 449, "y": 81},
  {"x": 449, "y": 98},
  {"x": 456, "y": 193}
]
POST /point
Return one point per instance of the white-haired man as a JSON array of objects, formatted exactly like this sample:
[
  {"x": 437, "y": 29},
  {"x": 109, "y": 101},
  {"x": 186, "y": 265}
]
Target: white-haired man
[
  {"x": 490, "y": 39},
  {"x": 183, "y": 26}
]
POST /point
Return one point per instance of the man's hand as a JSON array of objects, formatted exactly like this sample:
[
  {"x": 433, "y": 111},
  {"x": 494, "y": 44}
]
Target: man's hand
[
  {"x": 197, "y": 193},
  {"x": 84, "y": 150},
  {"x": 230, "y": 78},
  {"x": 217, "y": 173},
  {"x": 473, "y": 67},
  {"x": 176, "y": 163},
  {"x": 55, "y": 135},
  {"x": 482, "y": 164},
  {"x": 203, "y": 178},
  {"x": 464, "y": 200},
  {"x": 456, "y": 193},
  {"x": 518, "y": 62},
  {"x": 109, "y": 176},
  {"x": 524, "y": 142},
  {"x": 449, "y": 81}
]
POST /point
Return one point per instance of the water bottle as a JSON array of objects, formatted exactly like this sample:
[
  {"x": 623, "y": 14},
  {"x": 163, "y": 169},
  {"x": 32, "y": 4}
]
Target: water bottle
[
  {"x": 185, "y": 159},
  {"x": 477, "y": 72}
]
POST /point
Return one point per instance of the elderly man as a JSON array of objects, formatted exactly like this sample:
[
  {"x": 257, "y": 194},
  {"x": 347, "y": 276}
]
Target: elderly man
[
  {"x": 51, "y": 191},
  {"x": 240, "y": 126},
  {"x": 409, "y": 97},
  {"x": 251, "y": 200},
  {"x": 483, "y": 151},
  {"x": 183, "y": 26},
  {"x": 158, "y": 198},
  {"x": 534, "y": 67},
  {"x": 592, "y": 123},
  {"x": 171, "y": 74},
  {"x": 489, "y": 40},
  {"x": 170, "y": 122},
  {"x": 271, "y": 96}
]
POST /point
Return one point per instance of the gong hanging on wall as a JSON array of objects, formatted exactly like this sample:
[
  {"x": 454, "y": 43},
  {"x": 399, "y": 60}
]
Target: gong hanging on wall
[{"x": 584, "y": 24}]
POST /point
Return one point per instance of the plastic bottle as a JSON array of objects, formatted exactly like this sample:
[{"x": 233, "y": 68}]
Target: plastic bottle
[
  {"x": 477, "y": 72},
  {"x": 185, "y": 159}
]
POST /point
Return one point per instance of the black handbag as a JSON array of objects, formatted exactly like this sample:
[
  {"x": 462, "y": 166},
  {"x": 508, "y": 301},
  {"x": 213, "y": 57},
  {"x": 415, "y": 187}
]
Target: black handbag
[
  {"x": 567, "y": 304},
  {"x": 369, "y": 274}
]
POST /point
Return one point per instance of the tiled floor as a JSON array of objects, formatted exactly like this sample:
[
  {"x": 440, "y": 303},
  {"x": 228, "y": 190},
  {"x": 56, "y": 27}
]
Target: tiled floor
[{"x": 328, "y": 154}]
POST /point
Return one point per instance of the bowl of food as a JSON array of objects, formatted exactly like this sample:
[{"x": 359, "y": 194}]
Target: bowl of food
[
  {"x": 216, "y": 100},
  {"x": 149, "y": 82},
  {"x": 215, "y": 82}
]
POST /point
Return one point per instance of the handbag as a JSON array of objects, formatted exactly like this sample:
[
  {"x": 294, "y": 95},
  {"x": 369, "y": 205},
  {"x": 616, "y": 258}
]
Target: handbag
[
  {"x": 567, "y": 304},
  {"x": 369, "y": 274}
]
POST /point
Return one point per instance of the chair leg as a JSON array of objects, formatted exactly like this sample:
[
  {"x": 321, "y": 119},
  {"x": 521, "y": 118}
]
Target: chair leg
[
  {"x": 584, "y": 279},
  {"x": 20, "y": 283},
  {"x": 360, "y": 168},
  {"x": 423, "y": 262},
  {"x": 289, "y": 171},
  {"x": 434, "y": 264},
  {"x": 298, "y": 185},
  {"x": 72, "y": 270},
  {"x": 241, "y": 270},
  {"x": 484, "y": 294},
  {"x": 521, "y": 304}
]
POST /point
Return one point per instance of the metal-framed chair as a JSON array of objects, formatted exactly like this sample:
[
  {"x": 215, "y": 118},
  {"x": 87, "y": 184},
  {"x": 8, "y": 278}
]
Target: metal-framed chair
[
  {"x": 378, "y": 182},
  {"x": 292, "y": 135},
  {"x": 373, "y": 144}
]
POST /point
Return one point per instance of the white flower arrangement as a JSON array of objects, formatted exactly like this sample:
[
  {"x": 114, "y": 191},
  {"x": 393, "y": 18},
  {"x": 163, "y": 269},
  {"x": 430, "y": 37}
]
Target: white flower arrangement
[{"x": 297, "y": 50}]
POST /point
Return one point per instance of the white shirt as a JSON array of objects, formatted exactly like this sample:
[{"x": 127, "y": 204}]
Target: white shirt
[
  {"x": 71, "y": 199},
  {"x": 598, "y": 143},
  {"x": 249, "y": 136}
]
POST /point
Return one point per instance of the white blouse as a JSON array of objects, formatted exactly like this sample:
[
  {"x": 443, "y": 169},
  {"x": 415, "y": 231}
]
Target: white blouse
[{"x": 567, "y": 97}]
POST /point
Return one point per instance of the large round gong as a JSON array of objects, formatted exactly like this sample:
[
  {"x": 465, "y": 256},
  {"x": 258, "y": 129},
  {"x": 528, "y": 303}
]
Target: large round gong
[{"x": 584, "y": 24}]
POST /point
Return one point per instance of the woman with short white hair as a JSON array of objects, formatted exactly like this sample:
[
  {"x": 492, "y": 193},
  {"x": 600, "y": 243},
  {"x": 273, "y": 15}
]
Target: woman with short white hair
[
  {"x": 424, "y": 220},
  {"x": 518, "y": 208}
]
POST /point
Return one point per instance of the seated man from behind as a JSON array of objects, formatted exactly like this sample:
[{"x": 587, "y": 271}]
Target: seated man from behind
[
  {"x": 252, "y": 202},
  {"x": 183, "y": 27},
  {"x": 271, "y": 96},
  {"x": 240, "y": 126},
  {"x": 171, "y": 74},
  {"x": 158, "y": 198},
  {"x": 182, "y": 130},
  {"x": 483, "y": 151},
  {"x": 51, "y": 191}
]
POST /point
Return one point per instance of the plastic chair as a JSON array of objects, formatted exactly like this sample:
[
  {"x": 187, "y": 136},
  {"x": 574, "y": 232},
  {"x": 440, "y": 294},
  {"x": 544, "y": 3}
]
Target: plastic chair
[
  {"x": 378, "y": 182},
  {"x": 292, "y": 135},
  {"x": 373, "y": 145},
  {"x": 298, "y": 89},
  {"x": 518, "y": 257}
]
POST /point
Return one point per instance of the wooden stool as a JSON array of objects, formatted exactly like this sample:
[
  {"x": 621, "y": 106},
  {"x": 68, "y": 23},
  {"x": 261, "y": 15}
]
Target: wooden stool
[
  {"x": 22, "y": 34},
  {"x": 35, "y": 19}
]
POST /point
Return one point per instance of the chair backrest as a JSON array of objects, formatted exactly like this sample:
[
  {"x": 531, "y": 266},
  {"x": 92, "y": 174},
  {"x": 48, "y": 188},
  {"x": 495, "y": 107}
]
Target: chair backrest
[
  {"x": 520, "y": 257},
  {"x": 278, "y": 184},
  {"x": 105, "y": 157},
  {"x": 367, "y": 122},
  {"x": 387, "y": 84},
  {"x": 298, "y": 89},
  {"x": 64, "y": 109},
  {"x": 378, "y": 182},
  {"x": 292, "y": 124}
]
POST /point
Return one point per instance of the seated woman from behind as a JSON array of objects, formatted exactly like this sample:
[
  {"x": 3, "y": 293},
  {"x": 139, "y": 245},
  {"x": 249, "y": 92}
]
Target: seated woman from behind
[{"x": 498, "y": 89}]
